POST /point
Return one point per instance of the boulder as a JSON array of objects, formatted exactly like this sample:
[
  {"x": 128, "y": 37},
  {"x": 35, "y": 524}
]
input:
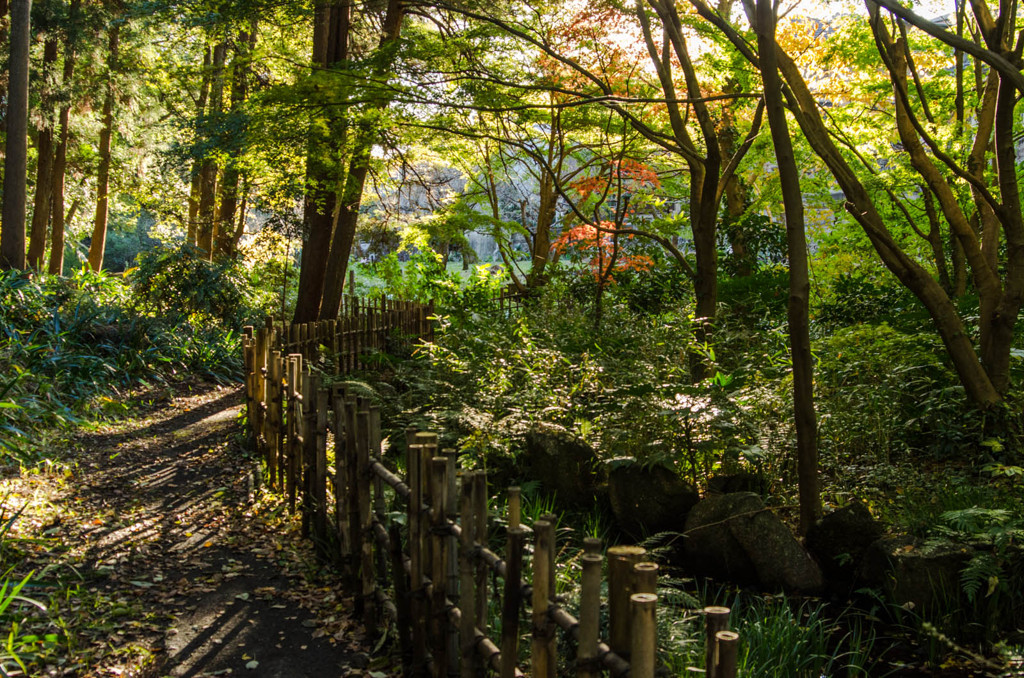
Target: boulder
[
  {"x": 736, "y": 537},
  {"x": 565, "y": 465},
  {"x": 743, "y": 481},
  {"x": 649, "y": 499},
  {"x": 839, "y": 540},
  {"x": 923, "y": 574}
]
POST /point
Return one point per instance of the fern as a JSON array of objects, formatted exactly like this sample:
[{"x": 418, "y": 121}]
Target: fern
[{"x": 983, "y": 570}]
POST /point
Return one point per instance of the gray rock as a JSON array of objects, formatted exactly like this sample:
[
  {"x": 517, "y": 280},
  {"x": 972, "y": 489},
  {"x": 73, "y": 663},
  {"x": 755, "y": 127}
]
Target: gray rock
[
  {"x": 735, "y": 537},
  {"x": 564, "y": 464},
  {"x": 649, "y": 499},
  {"x": 839, "y": 540},
  {"x": 924, "y": 574}
]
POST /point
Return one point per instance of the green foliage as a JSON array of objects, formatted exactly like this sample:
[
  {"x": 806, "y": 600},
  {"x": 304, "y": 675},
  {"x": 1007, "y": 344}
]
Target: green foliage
[
  {"x": 65, "y": 343},
  {"x": 423, "y": 278}
]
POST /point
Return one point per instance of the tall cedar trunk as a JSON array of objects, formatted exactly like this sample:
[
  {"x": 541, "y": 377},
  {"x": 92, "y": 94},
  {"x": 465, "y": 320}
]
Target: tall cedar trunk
[
  {"x": 3, "y": 76},
  {"x": 56, "y": 265},
  {"x": 330, "y": 46},
  {"x": 352, "y": 195},
  {"x": 799, "y": 282},
  {"x": 197, "y": 162},
  {"x": 12, "y": 226},
  {"x": 44, "y": 165},
  {"x": 226, "y": 241},
  {"x": 99, "y": 226},
  {"x": 208, "y": 174}
]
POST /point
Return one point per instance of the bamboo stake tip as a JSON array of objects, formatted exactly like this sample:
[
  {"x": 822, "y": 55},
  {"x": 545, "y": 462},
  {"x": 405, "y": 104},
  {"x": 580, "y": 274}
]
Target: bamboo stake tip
[
  {"x": 645, "y": 567},
  {"x": 595, "y": 558},
  {"x": 644, "y": 598},
  {"x": 727, "y": 636},
  {"x": 713, "y": 610}
]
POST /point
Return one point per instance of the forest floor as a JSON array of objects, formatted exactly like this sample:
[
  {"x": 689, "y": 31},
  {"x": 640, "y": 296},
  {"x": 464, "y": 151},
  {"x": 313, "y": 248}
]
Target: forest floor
[{"x": 154, "y": 557}]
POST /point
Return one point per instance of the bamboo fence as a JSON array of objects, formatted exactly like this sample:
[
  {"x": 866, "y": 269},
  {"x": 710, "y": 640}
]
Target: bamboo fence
[{"x": 431, "y": 575}]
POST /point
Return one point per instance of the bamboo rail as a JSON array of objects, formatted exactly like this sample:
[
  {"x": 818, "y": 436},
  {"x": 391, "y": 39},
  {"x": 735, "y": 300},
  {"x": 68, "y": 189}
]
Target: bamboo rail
[{"x": 435, "y": 590}]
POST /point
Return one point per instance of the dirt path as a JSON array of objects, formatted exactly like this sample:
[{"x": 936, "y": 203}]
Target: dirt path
[{"x": 169, "y": 568}]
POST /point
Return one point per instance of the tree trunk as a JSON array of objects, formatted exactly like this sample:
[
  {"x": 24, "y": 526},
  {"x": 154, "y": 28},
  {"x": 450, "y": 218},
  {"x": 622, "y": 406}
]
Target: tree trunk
[
  {"x": 56, "y": 265},
  {"x": 352, "y": 195},
  {"x": 226, "y": 241},
  {"x": 192, "y": 225},
  {"x": 330, "y": 45},
  {"x": 99, "y": 228},
  {"x": 799, "y": 281},
  {"x": 12, "y": 228},
  {"x": 208, "y": 174},
  {"x": 3, "y": 83},
  {"x": 44, "y": 164}
]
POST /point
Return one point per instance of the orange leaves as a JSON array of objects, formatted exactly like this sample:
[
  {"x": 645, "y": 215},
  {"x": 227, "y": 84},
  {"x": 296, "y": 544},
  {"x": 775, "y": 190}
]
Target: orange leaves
[{"x": 601, "y": 249}]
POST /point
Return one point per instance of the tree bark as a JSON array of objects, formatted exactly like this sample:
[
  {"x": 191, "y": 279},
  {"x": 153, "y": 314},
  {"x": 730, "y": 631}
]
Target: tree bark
[
  {"x": 197, "y": 163},
  {"x": 225, "y": 242},
  {"x": 352, "y": 195},
  {"x": 99, "y": 228},
  {"x": 208, "y": 174},
  {"x": 331, "y": 25},
  {"x": 799, "y": 281},
  {"x": 12, "y": 226},
  {"x": 56, "y": 265},
  {"x": 44, "y": 164}
]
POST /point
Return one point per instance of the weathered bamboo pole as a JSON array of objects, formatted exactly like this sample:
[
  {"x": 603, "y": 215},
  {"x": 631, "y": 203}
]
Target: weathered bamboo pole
[
  {"x": 439, "y": 566},
  {"x": 481, "y": 533},
  {"x": 401, "y": 585},
  {"x": 515, "y": 510},
  {"x": 274, "y": 419},
  {"x": 727, "y": 643},
  {"x": 645, "y": 578},
  {"x": 294, "y": 428},
  {"x": 467, "y": 579},
  {"x": 341, "y": 488},
  {"x": 591, "y": 545},
  {"x": 416, "y": 593},
  {"x": 621, "y": 560},
  {"x": 320, "y": 474},
  {"x": 590, "y": 616},
  {"x": 362, "y": 482},
  {"x": 310, "y": 384},
  {"x": 543, "y": 659},
  {"x": 645, "y": 642},
  {"x": 355, "y": 531},
  {"x": 511, "y": 602},
  {"x": 716, "y": 619}
]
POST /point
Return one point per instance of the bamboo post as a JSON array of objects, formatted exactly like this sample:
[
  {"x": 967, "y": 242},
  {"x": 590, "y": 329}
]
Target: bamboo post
[
  {"x": 404, "y": 621},
  {"x": 480, "y": 534},
  {"x": 274, "y": 418},
  {"x": 320, "y": 474},
  {"x": 511, "y": 602},
  {"x": 259, "y": 377},
  {"x": 332, "y": 344},
  {"x": 310, "y": 385},
  {"x": 417, "y": 608},
  {"x": 727, "y": 643},
  {"x": 379, "y": 507},
  {"x": 341, "y": 488},
  {"x": 620, "y": 587},
  {"x": 716, "y": 619},
  {"x": 467, "y": 580},
  {"x": 249, "y": 361},
  {"x": 515, "y": 511},
  {"x": 645, "y": 578},
  {"x": 590, "y": 616},
  {"x": 543, "y": 659},
  {"x": 645, "y": 643},
  {"x": 366, "y": 564},
  {"x": 591, "y": 545},
  {"x": 439, "y": 566},
  {"x": 352, "y": 480},
  {"x": 294, "y": 429},
  {"x": 451, "y": 545}
]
